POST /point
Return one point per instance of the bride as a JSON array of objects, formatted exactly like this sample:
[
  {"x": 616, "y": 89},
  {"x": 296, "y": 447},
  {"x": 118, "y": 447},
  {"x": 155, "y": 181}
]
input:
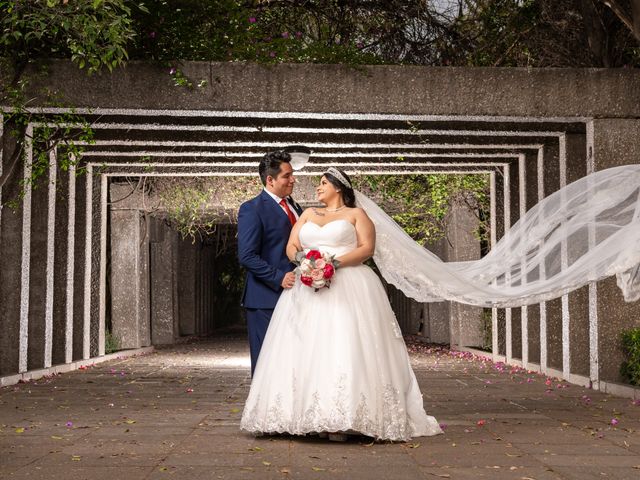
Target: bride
[{"x": 333, "y": 360}]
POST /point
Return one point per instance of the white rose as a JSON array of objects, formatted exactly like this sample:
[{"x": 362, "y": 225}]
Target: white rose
[{"x": 306, "y": 268}]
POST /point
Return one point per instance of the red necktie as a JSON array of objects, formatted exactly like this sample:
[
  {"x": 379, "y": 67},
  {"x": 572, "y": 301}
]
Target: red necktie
[{"x": 292, "y": 217}]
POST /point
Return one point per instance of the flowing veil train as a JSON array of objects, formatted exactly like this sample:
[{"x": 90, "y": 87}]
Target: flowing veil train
[{"x": 582, "y": 233}]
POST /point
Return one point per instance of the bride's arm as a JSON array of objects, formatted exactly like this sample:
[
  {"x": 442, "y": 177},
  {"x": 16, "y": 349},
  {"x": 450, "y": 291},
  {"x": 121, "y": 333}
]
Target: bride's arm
[
  {"x": 366, "y": 233},
  {"x": 293, "y": 246}
]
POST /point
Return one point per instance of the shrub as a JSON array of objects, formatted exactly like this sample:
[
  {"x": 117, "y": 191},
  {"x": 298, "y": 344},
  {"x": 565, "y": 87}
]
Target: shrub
[
  {"x": 111, "y": 343},
  {"x": 630, "y": 369}
]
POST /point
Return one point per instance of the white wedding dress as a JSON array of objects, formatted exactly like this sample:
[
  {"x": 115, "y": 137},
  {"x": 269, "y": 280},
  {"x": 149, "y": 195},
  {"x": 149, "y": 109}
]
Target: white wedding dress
[{"x": 334, "y": 360}]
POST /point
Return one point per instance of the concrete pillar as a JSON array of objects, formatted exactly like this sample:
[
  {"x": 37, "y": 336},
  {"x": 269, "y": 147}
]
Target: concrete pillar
[
  {"x": 500, "y": 229},
  {"x": 437, "y": 316},
  {"x": 37, "y": 274},
  {"x": 187, "y": 272},
  {"x": 615, "y": 142},
  {"x": 553, "y": 307},
  {"x": 10, "y": 256},
  {"x": 61, "y": 238},
  {"x": 514, "y": 214},
  {"x": 93, "y": 329},
  {"x": 576, "y": 152},
  {"x": 465, "y": 322},
  {"x": 533, "y": 311},
  {"x": 129, "y": 279},
  {"x": 164, "y": 312},
  {"x": 79, "y": 247}
]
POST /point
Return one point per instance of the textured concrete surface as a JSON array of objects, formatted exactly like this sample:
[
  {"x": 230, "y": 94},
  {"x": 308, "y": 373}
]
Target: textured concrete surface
[
  {"x": 615, "y": 143},
  {"x": 10, "y": 273},
  {"x": 370, "y": 89},
  {"x": 163, "y": 284},
  {"x": 465, "y": 321},
  {"x": 175, "y": 414},
  {"x": 129, "y": 290}
]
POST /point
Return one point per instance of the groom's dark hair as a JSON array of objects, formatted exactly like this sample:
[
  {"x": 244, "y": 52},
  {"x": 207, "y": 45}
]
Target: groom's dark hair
[{"x": 270, "y": 164}]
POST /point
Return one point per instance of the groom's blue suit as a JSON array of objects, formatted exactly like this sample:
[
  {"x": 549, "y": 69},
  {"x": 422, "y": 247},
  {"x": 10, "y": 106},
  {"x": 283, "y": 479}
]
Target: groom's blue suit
[{"x": 263, "y": 232}]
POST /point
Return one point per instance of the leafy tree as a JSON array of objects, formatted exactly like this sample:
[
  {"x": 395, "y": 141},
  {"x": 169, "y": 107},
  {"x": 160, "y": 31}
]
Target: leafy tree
[
  {"x": 470, "y": 33},
  {"x": 93, "y": 34}
]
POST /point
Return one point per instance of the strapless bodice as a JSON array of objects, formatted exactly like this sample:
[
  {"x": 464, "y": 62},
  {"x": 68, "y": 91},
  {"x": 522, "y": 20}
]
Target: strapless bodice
[{"x": 336, "y": 237}]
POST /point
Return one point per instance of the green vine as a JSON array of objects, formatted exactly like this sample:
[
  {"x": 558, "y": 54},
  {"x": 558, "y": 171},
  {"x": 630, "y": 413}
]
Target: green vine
[
  {"x": 66, "y": 133},
  {"x": 421, "y": 203},
  {"x": 195, "y": 206}
]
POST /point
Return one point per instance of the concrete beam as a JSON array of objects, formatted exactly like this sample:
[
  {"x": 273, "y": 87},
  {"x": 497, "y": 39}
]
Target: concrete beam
[{"x": 240, "y": 86}]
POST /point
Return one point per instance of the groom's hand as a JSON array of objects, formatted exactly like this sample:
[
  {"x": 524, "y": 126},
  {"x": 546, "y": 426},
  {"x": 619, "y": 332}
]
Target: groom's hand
[{"x": 288, "y": 280}]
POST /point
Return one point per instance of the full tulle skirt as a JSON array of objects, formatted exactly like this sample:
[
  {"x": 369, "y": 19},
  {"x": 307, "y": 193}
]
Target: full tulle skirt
[{"x": 335, "y": 361}]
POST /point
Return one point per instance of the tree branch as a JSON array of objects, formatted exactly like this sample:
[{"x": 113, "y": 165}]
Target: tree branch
[{"x": 630, "y": 20}]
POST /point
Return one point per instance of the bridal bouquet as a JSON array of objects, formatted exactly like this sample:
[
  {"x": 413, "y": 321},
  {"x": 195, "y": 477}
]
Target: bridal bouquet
[{"x": 316, "y": 268}]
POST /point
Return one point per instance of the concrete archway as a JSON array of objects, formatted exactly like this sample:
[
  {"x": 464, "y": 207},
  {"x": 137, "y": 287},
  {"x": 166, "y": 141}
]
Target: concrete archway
[{"x": 542, "y": 128}]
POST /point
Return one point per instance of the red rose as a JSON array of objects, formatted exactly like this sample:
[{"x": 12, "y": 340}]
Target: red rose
[
  {"x": 328, "y": 271},
  {"x": 314, "y": 254},
  {"x": 306, "y": 280}
]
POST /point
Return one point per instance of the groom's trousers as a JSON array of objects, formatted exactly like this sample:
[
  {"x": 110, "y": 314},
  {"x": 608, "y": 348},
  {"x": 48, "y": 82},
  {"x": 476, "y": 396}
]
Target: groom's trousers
[{"x": 257, "y": 324}]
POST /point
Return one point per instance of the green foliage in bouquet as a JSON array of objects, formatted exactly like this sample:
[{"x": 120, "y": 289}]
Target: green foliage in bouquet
[{"x": 630, "y": 368}]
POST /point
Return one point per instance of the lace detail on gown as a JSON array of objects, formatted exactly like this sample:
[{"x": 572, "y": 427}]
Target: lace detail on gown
[{"x": 391, "y": 421}]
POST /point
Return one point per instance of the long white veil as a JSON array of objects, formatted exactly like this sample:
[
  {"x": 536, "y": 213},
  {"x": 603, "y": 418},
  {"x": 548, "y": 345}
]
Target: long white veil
[{"x": 582, "y": 233}]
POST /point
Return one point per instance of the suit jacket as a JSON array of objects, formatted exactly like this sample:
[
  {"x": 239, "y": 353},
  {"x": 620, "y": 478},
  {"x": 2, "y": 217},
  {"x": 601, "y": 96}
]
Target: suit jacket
[{"x": 263, "y": 233}]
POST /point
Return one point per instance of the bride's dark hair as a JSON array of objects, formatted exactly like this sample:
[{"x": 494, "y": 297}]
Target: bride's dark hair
[{"x": 348, "y": 195}]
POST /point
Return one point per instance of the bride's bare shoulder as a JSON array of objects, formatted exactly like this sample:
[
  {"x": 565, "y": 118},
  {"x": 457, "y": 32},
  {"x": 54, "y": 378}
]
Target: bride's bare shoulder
[
  {"x": 306, "y": 213},
  {"x": 358, "y": 211},
  {"x": 359, "y": 214}
]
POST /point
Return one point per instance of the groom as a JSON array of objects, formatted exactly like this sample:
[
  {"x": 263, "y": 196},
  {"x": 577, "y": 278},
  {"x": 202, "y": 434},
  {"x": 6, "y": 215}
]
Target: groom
[{"x": 264, "y": 225}]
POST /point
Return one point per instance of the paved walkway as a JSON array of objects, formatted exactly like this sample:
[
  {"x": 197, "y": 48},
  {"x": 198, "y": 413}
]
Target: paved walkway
[{"x": 175, "y": 414}]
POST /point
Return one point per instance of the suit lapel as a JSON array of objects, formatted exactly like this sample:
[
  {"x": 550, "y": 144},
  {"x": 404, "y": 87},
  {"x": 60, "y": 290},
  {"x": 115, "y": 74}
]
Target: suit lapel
[
  {"x": 295, "y": 206},
  {"x": 273, "y": 208}
]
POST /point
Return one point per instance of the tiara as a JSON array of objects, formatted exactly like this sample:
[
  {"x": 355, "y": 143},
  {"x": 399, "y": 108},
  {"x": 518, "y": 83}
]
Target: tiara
[{"x": 339, "y": 176}]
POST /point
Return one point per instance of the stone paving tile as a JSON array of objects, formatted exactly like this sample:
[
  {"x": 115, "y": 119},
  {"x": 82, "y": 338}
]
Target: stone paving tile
[
  {"x": 212, "y": 458},
  {"x": 395, "y": 472},
  {"x": 483, "y": 455},
  {"x": 176, "y": 412},
  {"x": 472, "y": 473},
  {"x": 595, "y": 461},
  {"x": 216, "y": 473},
  {"x": 600, "y": 473},
  {"x": 70, "y": 458},
  {"x": 592, "y": 448},
  {"x": 78, "y": 472}
]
